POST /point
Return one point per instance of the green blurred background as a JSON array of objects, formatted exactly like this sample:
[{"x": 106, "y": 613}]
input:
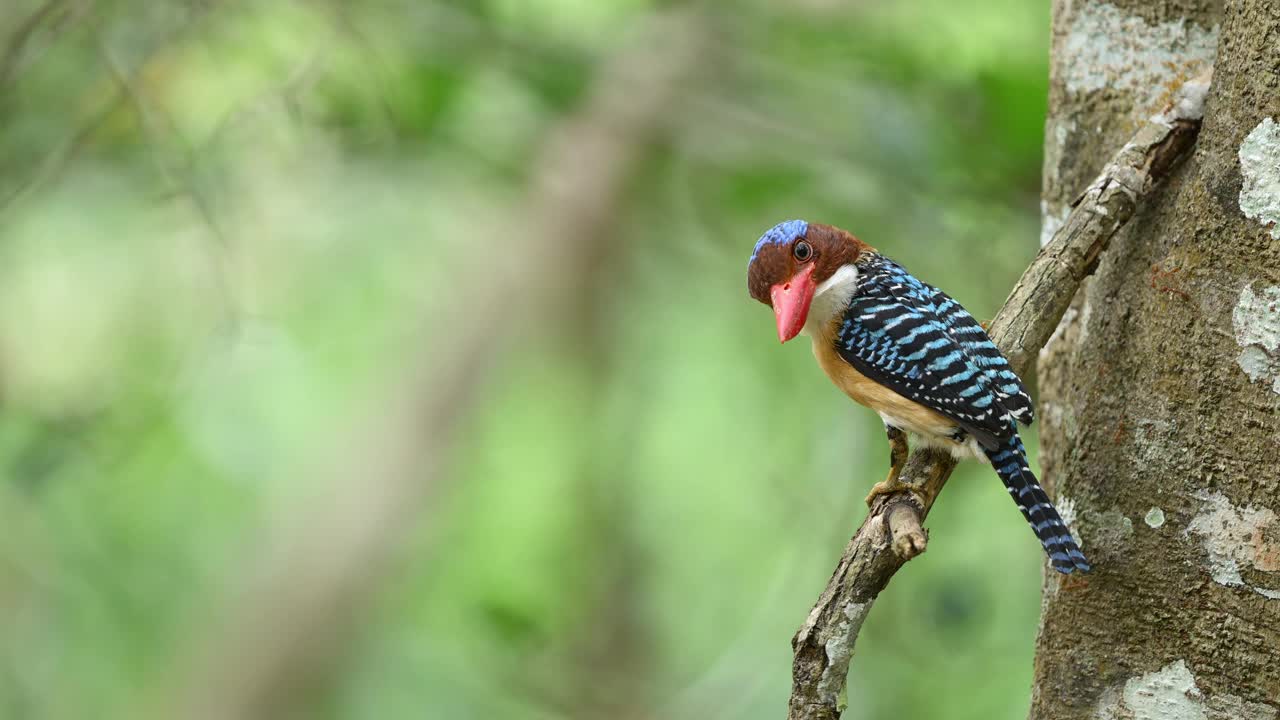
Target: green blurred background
[{"x": 220, "y": 224}]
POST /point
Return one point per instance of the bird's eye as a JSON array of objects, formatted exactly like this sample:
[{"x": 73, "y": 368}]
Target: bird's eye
[{"x": 802, "y": 251}]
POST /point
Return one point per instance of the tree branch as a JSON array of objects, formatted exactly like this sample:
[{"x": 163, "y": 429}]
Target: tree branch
[{"x": 893, "y": 531}]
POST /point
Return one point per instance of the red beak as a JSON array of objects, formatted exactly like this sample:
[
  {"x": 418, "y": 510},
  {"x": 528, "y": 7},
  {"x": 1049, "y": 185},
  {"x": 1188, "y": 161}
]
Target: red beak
[{"x": 791, "y": 302}]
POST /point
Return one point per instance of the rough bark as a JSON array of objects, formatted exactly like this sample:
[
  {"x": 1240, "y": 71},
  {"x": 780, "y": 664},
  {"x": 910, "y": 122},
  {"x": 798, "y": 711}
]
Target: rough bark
[{"x": 1160, "y": 392}]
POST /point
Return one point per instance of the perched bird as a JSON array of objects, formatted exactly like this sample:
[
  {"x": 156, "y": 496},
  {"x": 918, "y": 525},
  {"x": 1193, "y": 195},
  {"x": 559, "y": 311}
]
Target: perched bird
[{"x": 908, "y": 351}]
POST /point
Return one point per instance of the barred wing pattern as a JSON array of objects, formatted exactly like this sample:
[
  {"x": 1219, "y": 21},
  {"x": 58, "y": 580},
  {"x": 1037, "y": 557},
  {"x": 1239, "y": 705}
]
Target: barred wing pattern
[
  {"x": 913, "y": 339},
  {"x": 917, "y": 341},
  {"x": 991, "y": 363}
]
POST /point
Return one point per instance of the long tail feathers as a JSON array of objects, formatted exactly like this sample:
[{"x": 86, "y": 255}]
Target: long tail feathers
[{"x": 1010, "y": 463}]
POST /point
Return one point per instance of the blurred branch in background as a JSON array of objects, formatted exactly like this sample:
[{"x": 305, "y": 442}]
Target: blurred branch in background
[
  {"x": 892, "y": 533},
  {"x": 63, "y": 16},
  {"x": 312, "y": 586},
  {"x": 51, "y": 18},
  {"x": 178, "y": 175}
]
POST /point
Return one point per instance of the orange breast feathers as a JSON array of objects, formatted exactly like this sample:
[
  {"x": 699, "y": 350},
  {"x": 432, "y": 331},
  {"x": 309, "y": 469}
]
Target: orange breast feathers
[{"x": 892, "y": 407}]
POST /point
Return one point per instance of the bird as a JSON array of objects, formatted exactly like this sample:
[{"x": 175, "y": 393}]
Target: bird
[{"x": 912, "y": 354}]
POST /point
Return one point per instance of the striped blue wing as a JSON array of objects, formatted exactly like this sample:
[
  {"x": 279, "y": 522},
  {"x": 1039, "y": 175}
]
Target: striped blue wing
[
  {"x": 917, "y": 341},
  {"x": 983, "y": 353},
  {"x": 913, "y": 339}
]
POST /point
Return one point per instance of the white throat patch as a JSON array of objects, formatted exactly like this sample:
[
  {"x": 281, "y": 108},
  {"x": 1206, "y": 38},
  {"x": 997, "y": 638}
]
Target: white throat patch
[{"x": 831, "y": 297}]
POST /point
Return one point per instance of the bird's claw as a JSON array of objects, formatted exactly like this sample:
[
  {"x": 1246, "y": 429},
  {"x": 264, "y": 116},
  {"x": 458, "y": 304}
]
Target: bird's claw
[{"x": 894, "y": 485}]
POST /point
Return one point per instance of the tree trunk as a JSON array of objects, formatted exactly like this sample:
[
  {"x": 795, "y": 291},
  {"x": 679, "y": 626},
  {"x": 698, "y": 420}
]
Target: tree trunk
[{"x": 1160, "y": 393}]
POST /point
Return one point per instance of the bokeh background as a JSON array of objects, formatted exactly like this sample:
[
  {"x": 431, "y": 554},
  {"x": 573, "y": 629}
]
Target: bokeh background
[{"x": 224, "y": 226}]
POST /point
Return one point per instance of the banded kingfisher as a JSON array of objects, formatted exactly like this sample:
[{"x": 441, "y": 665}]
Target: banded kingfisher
[{"x": 909, "y": 352}]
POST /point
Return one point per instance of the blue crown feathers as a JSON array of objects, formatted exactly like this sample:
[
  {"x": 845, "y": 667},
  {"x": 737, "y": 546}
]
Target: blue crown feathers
[{"x": 782, "y": 233}]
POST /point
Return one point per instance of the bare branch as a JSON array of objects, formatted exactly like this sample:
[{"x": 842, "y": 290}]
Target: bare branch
[
  {"x": 892, "y": 534},
  {"x": 312, "y": 586}
]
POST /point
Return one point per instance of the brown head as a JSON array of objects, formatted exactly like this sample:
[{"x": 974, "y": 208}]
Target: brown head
[{"x": 791, "y": 261}]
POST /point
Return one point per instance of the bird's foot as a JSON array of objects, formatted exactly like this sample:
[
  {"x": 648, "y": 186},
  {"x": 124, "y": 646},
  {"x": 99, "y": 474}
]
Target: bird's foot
[{"x": 894, "y": 484}]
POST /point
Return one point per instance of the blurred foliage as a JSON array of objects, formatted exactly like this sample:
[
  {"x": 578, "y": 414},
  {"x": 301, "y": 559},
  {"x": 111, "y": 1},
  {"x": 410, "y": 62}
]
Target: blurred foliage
[{"x": 221, "y": 221}]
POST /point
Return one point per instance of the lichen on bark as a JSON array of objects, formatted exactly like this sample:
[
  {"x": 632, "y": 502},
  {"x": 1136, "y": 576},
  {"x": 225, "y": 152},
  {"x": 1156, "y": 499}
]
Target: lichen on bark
[{"x": 1146, "y": 404}]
